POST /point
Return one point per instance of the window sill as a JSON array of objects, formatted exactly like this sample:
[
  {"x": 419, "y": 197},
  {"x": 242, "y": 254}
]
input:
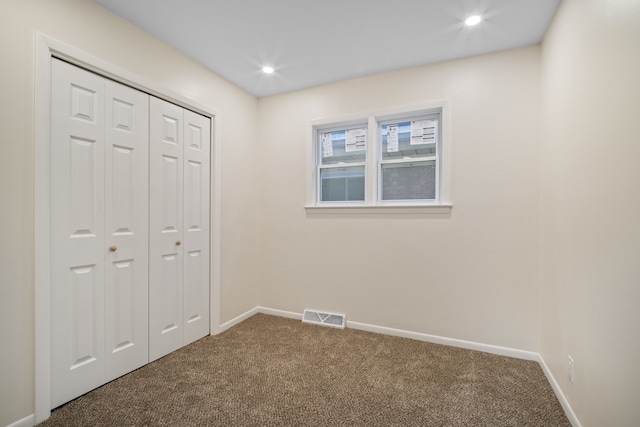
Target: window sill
[{"x": 441, "y": 208}]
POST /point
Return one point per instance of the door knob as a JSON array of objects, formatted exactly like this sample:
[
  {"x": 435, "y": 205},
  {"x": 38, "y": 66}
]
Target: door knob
[
  {"x": 113, "y": 248},
  {"x": 178, "y": 243}
]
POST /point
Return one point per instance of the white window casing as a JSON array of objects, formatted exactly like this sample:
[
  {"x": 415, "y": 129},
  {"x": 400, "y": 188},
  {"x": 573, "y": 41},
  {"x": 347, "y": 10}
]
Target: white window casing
[{"x": 417, "y": 170}]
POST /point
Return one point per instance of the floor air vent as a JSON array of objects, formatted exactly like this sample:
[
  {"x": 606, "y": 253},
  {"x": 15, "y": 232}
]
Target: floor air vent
[{"x": 325, "y": 319}]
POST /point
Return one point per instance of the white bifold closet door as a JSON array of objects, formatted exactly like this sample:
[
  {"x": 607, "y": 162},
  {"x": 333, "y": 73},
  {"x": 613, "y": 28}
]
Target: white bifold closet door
[
  {"x": 179, "y": 227},
  {"x": 99, "y": 231}
]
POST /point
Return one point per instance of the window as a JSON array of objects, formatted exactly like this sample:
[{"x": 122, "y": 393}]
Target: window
[
  {"x": 409, "y": 158},
  {"x": 396, "y": 158},
  {"x": 342, "y": 155}
]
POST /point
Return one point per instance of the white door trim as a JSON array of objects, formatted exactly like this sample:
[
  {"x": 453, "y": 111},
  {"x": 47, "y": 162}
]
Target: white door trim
[{"x": 46, "y": 48}]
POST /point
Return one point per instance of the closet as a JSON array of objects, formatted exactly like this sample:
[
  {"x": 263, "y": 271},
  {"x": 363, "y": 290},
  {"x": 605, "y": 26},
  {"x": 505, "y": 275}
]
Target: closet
[
  {"x": 129, "y": 239},
  {"x": 179, "y": 227}
]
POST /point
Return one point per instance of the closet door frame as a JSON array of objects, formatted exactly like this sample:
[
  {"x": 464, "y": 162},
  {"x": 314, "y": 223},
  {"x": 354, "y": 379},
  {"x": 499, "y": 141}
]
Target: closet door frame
[{"x": 46, "y": 49}]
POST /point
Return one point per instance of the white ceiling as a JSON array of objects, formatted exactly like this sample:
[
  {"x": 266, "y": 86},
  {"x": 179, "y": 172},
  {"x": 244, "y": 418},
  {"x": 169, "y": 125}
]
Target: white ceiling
[{"x": 312, "y": 42}]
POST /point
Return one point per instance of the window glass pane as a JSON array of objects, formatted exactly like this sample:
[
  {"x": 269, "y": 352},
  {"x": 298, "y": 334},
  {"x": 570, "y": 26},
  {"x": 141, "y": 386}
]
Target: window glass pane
[
  {"x": 342, "y": 184},
  {"x": 409, "y": 181},
  {"x": 346, "y": 146},
  {"x": 399, "y": 141}
]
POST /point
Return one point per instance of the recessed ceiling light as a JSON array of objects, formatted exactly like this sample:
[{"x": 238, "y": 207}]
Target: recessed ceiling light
[
  {"x": 473, "y": 20},
  {"x": 267, "y": 69}
]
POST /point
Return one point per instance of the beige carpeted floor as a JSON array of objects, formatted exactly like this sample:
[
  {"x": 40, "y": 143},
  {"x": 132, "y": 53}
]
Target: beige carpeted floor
[{"x": 271, "y": 371}]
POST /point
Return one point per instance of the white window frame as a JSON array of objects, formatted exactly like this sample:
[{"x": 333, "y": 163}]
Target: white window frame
[
  {"x": 317, "y": 144},
  {"x": 373, "y": 164},
  {"x": 395, "y": 118}
]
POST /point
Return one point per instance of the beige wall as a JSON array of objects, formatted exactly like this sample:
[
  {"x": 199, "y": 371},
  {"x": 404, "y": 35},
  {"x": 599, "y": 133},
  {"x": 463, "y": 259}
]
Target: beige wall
[
  {"x": 472, "y": 275},
  {"x": 591, "y": 207},
  {"x": 539, "y": 253},
  {"x": 88, "y": 27}
]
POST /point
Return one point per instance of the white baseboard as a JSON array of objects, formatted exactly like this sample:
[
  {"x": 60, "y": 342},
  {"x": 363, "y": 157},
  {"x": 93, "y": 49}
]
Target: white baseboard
[
  {"x": 255, "y": 310},
  {"x": 470, "y": 345},
  {"x": 233, "y": 322},
  {"x": 280, "y": 313},
  {"x": 568, "y": 410},
  {"x": 28, "y": 421}
]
